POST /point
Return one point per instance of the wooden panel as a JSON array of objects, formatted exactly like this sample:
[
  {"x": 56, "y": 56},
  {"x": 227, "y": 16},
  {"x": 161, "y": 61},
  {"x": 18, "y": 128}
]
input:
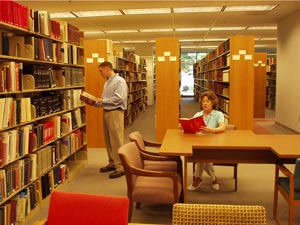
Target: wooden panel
[
  {"x": 260, "y": 61},
  {"x": 241, "y": 81},
  {"x": 94, "y": 85},
  {"x": 167, "y": 85}
]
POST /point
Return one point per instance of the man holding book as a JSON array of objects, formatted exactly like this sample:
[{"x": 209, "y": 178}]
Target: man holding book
[
  {"x": 114, "y": 102},
  {"x": 214, "y": 121}
]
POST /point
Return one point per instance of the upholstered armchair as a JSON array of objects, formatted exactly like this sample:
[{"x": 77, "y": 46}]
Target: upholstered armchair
[
  {"x": 81, "y": 209},
  {"x": 148, "y": 186},
  {"x": 151, "y": 159},
  {"x": 287, "y": 184}
]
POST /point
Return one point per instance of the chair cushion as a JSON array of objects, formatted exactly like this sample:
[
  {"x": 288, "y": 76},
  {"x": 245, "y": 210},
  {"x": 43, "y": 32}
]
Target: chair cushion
[
  {"x": 160, "y": 165},
  {"x": 285, "y": 183},
  {"x": 154, "y": 190}
]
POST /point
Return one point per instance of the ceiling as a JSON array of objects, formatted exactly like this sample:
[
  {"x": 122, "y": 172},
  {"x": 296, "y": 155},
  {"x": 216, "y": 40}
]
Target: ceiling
[{"x": 173, "y": 20}]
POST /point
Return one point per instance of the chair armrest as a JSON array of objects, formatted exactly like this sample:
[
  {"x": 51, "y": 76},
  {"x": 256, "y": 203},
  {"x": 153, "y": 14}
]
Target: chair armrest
[
  {"x": 152, "y": 157},
  {"x": 40, "y": 222},
  {"x": 151, "y": 143},
  {"x": 152, "y": 173}
]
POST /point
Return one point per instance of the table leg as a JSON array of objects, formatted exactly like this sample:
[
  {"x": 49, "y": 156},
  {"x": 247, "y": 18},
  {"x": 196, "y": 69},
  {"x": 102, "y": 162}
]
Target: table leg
[{"x": 185, "y": 181}]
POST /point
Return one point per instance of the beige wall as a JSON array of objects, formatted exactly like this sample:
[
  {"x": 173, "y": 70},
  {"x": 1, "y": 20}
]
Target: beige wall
[{"x": 288, "y": 73}]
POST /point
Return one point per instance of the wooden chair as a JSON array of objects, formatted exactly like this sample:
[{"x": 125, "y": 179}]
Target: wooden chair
[
  {"x": 215, "y": 214},
  {"x": 81, "y": 209},
  {"x": 234, "y": 165},
  {"x": 158, "y": 162},
  {"x": 288, "y": 185},
  {"x": 148, "y": 186}
]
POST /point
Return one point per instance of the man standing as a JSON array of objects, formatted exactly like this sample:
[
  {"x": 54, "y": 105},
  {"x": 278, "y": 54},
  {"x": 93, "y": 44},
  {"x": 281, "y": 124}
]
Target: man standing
[{"x": 114, "y": 102}]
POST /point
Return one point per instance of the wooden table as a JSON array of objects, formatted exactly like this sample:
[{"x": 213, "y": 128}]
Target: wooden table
[{"x": 234, "y": 146}]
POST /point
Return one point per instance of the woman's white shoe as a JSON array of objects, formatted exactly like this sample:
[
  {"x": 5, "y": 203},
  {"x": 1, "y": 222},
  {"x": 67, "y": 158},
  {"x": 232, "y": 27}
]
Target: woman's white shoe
[{"x": 191, "y": 187}]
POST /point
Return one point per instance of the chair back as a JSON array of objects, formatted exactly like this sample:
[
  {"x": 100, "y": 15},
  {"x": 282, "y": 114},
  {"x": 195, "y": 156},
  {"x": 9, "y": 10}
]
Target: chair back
[
  {"x": 297, "y": 175},
  {"x": 83, "y": 209},
  {"x": 130, "y": 157},
  {"x": 230, "y": 127},
  {"x": 214, "y": 214},
  {"x": 138, "y": 139}
]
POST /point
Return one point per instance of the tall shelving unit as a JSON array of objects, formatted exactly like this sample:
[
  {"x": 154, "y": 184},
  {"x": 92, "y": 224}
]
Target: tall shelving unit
[
  {"x": 260, "y": 65},
  {"x": 133, "y": 69},
  {"x": 43, "y": 128},
  {"x": 271, "y": 84},
  {"x": 229, "y": 72},
  {"x": 167, "y": 85}
]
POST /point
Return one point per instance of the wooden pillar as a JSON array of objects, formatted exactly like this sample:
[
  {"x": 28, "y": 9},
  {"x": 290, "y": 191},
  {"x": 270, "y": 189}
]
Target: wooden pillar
[{"x": 167, "y": 85}]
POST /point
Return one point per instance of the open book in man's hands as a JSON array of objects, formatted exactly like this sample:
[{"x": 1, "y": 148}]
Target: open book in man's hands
[
  {"x": 192, "y": 125},
  {"x": 88, "y": 98}
]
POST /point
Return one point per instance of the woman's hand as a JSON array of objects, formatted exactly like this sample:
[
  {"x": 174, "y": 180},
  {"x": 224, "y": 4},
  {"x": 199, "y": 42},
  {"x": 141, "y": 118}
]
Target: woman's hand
[{"x": 207, "y": 130}]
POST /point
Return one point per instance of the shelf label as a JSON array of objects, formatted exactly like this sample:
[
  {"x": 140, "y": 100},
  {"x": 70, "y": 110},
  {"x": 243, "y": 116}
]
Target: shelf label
[
  {"x": 100, "y": 60},
  {"x": 173, "y": 58},
  {"x": 160, "y": 58},
  {"x": 236, "y": 57},
  {"x": 89, "y": 60},
  {"x": 248, "y": 57}
]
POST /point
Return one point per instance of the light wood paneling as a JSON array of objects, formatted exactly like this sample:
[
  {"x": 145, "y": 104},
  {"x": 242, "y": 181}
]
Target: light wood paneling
[
  {"x": 167, "y": 85},
  {"x": 94, "y": 85},
  {"x": 260, "y": 62},
  {"x": 241, "y": 79}
]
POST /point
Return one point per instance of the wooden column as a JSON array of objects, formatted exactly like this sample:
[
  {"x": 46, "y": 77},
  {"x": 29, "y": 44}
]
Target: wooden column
[
  {"x": 167, "y": 85},
  {"x": 96, "y": 51},
  {"x": 260, "y": 61}
]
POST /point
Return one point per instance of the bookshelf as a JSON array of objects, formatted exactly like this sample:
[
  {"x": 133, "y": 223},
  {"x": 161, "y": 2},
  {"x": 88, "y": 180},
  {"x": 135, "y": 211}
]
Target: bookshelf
[
  {"x": 229, "y": 72},
  {"x": 133, "y": 68},
  {"x": 271, "y": 84},
  {"x": 167, "y": 85},
  {"x": 42, "y": 120},
  {"x": 260, "y": 65}
]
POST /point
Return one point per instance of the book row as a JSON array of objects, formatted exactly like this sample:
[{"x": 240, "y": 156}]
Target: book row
[
  {"x": 40, "y": 48},
  {"x": 37, "y": 21},
  {"x": 16, "y": 143},
  {"x": 16, "y": 111},
  {"x": 16, "y": 209},
  {"x": 15, "y": 76}
]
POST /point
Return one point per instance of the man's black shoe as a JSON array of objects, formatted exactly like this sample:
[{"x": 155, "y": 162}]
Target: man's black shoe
[
  {"x": 106, "y": 169},
  {"x": 116, "y": 174}
]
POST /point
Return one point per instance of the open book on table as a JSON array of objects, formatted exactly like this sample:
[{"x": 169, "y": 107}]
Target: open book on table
[
  {"x": 192, "y": 125},
  {"x": 88, "y": 98}
]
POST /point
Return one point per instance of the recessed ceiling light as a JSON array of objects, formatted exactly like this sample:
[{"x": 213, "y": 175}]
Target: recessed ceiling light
[
  {"x": 263, "y": 28},
  {"x": 120, "y": 31},
  {"x": 93, "y": 32},
  {"x": 192, "y": 29},
  {"x": 146, "y": 11},
  {"x": 98, "y": 13},
  {"x": 156, "y": 30},
  {"x": 62, "y": 15},
  {"x": 249, "y": 8},
  {"x": 196, "y": 9},
  {"x": 228, "y": 28}
]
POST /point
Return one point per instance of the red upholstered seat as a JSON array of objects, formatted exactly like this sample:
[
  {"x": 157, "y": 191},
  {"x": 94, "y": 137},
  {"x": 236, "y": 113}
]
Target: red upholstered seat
[{"x": 81, "y": 209}]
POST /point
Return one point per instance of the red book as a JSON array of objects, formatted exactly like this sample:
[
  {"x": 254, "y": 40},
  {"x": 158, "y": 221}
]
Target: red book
[{"x": 192, "y": 125}]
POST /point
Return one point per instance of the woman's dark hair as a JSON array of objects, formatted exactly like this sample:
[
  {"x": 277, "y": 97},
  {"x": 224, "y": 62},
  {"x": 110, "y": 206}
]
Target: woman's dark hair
[{"x": 211, "y": 96}]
